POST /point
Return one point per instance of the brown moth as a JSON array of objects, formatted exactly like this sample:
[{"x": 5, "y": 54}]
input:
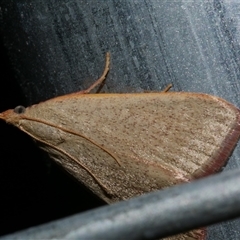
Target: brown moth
[{"x": 124, "y": 145}]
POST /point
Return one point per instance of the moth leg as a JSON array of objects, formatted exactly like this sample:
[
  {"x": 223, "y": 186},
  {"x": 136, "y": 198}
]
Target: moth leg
[
  {"x": 101, "y": 79},
  {"x": 166, "y": 89}
]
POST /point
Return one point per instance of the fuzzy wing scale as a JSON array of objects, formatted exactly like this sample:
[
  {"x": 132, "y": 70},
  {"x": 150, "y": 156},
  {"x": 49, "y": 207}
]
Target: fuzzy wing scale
[{"x": 160, "y": 139}]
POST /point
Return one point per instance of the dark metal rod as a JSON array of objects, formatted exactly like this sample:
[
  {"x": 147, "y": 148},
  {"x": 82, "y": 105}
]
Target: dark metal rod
[{"x": 155, "y": 215}]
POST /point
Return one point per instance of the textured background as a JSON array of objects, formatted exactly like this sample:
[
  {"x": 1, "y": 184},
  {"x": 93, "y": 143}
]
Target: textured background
[{"x": 57, "y": 47}]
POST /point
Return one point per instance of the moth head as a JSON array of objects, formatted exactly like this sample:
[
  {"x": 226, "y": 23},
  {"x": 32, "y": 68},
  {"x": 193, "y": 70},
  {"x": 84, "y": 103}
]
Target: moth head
[
  {"x": 13, "y": 116},
  {"x": 19, "y": 109}
]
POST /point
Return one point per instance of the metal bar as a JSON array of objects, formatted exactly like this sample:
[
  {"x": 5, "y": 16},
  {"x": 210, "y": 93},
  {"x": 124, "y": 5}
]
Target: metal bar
[{"x": 155, "y": 215}]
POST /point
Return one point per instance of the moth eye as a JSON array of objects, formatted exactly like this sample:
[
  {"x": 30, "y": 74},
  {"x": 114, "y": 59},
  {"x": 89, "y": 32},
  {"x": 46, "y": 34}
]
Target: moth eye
[{"x": 19, "y": 109}]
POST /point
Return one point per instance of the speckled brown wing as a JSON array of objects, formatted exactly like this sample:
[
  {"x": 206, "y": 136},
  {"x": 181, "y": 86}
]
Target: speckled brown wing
[
  {"x": 159, "y": 139},
  {"x": 122, "y": 146}
]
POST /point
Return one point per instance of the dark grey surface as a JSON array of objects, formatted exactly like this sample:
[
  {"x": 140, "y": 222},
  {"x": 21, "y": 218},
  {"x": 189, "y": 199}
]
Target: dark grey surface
[
  {"x": 152, "y": 216},
  {"x": 57, "y": 47}
]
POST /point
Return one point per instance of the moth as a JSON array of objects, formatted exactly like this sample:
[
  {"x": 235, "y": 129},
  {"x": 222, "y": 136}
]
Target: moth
[{"x": 124, "y": 145}]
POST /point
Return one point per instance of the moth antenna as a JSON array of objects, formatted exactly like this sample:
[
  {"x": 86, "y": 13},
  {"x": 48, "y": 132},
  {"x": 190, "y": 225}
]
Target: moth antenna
[
  {"x": 74, "y": 133},
  {"x": 101, "y": 79},
  {"x": 71, "y": 157}
]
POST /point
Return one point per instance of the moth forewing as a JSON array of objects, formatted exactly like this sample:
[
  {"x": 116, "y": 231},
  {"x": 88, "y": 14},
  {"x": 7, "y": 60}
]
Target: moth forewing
[{"x": 124, "y": 145}]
